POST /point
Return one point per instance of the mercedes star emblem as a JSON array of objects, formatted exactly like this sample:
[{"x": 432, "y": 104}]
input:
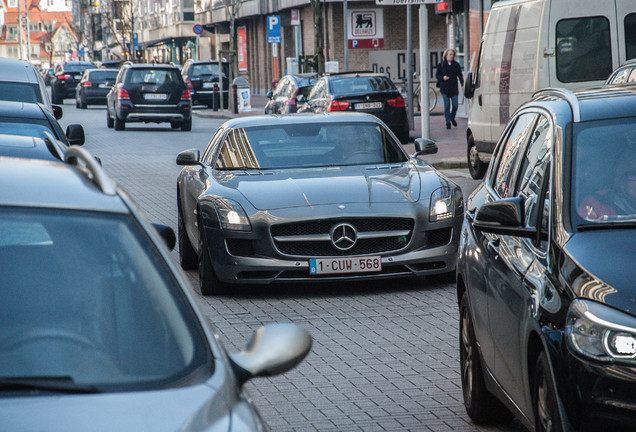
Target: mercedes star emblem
[{"x": 343, "y": 236}]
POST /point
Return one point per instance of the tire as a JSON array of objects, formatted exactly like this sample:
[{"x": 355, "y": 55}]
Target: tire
[
  {"x": 109, "y": 120},
  {"x": 209, "y": 283},
  {"x": 546, "y": 410},
  {"x": 187, "y": 255},
  {"x": 403, "y": 136},
  {"x": 55, "y": 100},
  {"x": 476, "y": 167},
  {"x": 186, "y": 126},
  {"x": 83, "y": 105},
  {"x": 119, "y": 124},
  {"x": 480, "y": 404},
  {"x": 175, "y": 125},
  {"x": 77, "y": 104}
]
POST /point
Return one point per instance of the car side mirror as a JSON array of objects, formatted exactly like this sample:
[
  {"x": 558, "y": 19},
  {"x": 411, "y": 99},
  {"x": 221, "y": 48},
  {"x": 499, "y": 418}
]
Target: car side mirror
[
  {"x": 75, "y": 134},
  {"x": 424, "y": 146},
  {"x": 167, "y": 234},
  {"x": 469, "y": 86},
  {"x": 505, "y": 216},
  {"x": 58, "y": 112},
  {"x": 188, "y": 157},
  {"x": 270, "y": 94},
  {"x": 273, "y": 349}
]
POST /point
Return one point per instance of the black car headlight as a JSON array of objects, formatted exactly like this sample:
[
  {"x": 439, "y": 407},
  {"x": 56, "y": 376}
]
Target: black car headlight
[
  {"x": 231, "y": 215},
  {"x": 442, "y": 205},
  {"x": 600, "y": 332}
]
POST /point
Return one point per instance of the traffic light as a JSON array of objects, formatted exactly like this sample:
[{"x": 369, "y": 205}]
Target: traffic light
[
  {"x": 138, "y": 54},
  {"x": 444, "y": 7}
]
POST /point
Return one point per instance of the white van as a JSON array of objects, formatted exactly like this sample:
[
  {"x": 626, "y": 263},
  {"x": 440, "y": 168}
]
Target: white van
[{"x": 533, "y": 44}]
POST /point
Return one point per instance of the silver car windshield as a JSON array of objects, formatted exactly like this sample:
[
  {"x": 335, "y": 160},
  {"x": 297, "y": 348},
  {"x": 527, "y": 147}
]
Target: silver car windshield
[
  {"x": 308, "y": 145},
  {"x": 86, "y": 299},
  {"x": 604, "y": 172}
]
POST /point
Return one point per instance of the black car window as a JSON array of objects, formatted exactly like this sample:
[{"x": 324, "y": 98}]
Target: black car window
[
  {"x": 308, "y": 145},
  {"x": 509, "y": 154},
  {"x": 153, "y": 76},
  {"x": 318, "y": 91},
  {"x": 630, "y": 36},
  {"x": 72, "y": 68},
  {"x": 102, "y": 76},
  {"x": 207, "y": 70},
  {"x": 20, "y": 92},
  {"x": 209, "y": 151},
  {"x": 345, "y": 85},
  {"x": 280, "y": 87}
]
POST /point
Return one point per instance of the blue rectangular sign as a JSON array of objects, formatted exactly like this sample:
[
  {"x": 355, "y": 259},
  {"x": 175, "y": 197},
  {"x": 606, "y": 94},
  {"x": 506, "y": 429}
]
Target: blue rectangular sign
[{"x": 273, "y": 29}]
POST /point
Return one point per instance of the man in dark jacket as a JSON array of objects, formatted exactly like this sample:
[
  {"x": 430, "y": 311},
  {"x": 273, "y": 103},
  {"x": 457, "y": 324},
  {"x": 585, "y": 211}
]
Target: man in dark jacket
[{"x": 448, "y": 72}]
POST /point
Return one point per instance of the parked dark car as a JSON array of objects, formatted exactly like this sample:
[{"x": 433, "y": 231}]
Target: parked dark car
[
  {"x": 545, "y": 278},
  {"x": 625, "y": 74},
  {"x": 313, "y": 198},
  {"x": 67, "y": 75},
  {"x": 110, "y": 64},
  {"x": 290, "y": 92},
  {"x": 361, "y": 92},
  {"x": 30, "y": 147},
  {"x": 94, "y": 86},
  {"x": 150, "y": 94},
  {"x": 200, "y": 77},
  {"x": 21, "y": 82},
  {"x": 99, "y": 328}
]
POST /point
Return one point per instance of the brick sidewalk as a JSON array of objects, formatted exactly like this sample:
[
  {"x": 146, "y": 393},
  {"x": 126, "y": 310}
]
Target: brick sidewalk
[{"x": 451, "y": 143}]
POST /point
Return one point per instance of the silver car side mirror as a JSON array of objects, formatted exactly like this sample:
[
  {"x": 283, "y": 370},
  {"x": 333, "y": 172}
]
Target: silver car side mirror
[
  {"x": 189, "y": 157},
  {"x": 273, "y": 349},
  {"x": 424, "y": 147}
]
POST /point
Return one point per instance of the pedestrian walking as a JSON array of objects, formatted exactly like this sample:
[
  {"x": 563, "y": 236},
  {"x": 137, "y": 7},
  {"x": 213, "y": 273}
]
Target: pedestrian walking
[{"x": 448, "y": 72}]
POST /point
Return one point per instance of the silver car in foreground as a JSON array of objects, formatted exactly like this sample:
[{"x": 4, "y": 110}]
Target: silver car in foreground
[
  {"x": 328, "y": 197},
  {"x": 98, "y": 327}
]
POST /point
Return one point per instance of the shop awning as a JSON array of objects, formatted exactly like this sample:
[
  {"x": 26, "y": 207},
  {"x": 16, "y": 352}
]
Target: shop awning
[{"x": 170, "y": 42}]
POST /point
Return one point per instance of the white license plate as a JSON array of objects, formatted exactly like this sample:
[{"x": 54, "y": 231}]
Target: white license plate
[
  {"x": 369, "y": 105},
  {"x": 208, "y": 85},
  {"x": 156, "y": 96},
  {"x": 345, "y": 265},
  {"x": 104, "y": 86},
  {"x": 77, "y": 76}
]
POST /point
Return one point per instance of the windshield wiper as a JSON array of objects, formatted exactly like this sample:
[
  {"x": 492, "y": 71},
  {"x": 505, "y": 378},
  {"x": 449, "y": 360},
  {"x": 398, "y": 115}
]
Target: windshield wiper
[{"x": 55, "y": 383}]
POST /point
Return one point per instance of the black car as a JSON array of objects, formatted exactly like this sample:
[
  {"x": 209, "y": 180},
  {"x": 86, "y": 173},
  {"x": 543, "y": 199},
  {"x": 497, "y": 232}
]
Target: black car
[
  {"x": 28, "y": 147},
  {"x": 94, "y": 86},
  {"x": 21, "y": 82},
  {"x": 200, "y": 77},
  {"x": 361, "y": 92},
  {"x": 149, "y": 93},
  {"x": 545, "y": 277},
  {"x": 290, "y": 92},
  {"x": 65, "y": 79},
  {"x": 47, "y": 74}
]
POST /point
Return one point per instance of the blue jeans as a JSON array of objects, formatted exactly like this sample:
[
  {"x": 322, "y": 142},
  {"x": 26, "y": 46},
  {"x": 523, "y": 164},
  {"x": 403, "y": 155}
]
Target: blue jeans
[{"x": 448, "y": 113}]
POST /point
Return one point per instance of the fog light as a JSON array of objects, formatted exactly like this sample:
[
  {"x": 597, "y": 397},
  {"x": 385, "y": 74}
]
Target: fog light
[{"x": 623, "y": 344}]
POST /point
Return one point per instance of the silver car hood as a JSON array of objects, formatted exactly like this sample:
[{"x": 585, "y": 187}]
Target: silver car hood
[
  {"x": 367, "y": 184},
  {"x": 195, "y": 408}
]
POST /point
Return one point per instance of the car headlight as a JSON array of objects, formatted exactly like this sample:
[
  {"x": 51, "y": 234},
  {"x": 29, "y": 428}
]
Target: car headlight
[
  {"x": 600, "y": 332},
  {"x": 231, "y": 215},
  {"x": 441, "y": 207}
]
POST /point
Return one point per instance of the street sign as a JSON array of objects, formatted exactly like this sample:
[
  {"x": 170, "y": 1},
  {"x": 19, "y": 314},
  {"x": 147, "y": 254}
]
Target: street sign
[
  {"x": 405, "y": 2},
  {"x": 365, "y": 28},
  {"x": 295, "y": 17},
  {"x": 197, "y": 29},
  {"x": 273, "y": 29}
]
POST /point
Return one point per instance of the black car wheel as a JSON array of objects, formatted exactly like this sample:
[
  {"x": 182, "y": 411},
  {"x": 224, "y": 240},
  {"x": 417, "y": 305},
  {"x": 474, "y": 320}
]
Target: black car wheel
[
  {"x": 77, "y": 103},
  {"x": 546, "y": 410},
  {"x": 476, "y": 167},
  {"x": 209, "y": 283},
  {"x": 83, "y": 105},
  {"x": 175, "y": 124},
  {"x": 187, "y": 255},
  {"x": 55, "y": 99},
  {"x": 109, "y": 120},
  {"x": 119, "y": 124},
  {"x": 186, "y": 126},
  {"x": 480, "y": 404}
]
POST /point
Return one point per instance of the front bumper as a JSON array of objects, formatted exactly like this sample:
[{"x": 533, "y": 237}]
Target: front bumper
[{"x": 129, "y": 112}]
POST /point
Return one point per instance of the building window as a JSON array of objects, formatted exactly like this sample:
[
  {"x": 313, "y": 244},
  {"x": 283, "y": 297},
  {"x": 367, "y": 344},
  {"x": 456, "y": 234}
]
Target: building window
[
  {"x": 12, "y": 33},
  {"x": 13, "y": 3},
  {"x": 13, "y": 52}
]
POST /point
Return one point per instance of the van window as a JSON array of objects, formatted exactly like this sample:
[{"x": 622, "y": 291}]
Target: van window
[
  {"x": 583, "y": 49},
  {"x": 630, "y": 36}
]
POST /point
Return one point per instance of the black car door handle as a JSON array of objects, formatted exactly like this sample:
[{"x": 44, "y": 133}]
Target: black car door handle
[
  {"x": 493, "y": 246},
  {"x": 479, "y": 99}
]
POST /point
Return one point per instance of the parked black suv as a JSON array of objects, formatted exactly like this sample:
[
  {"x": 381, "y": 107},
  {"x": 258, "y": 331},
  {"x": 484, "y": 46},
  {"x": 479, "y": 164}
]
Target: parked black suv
[
  {"x": 21, "y": 82},
  {"x": 149, "y": 93},
  {"x": 65, "y": 79},
  {"x": 200, "y": 77},
  {"x": 361, "y": 92},
  {"x": 94, "y": 86},
  {"x": 290, "y": 93},
  {"x": 545, "y": 277}
]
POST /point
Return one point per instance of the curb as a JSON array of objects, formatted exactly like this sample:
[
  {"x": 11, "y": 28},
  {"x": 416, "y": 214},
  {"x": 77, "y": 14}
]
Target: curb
[
  {"x": 448, "y": 163},
  {"x": 213, "y": 115}
]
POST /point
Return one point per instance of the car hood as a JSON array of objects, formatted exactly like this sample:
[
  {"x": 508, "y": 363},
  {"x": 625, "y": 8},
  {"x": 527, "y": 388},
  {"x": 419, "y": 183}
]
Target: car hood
[
  {"x": 607, "y": 259},
  {"x": 186, "y": 409},
  {"x": 269, "y": 190}
]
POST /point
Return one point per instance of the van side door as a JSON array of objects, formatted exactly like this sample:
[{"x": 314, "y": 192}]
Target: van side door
[{"x": 626, "y": 20}]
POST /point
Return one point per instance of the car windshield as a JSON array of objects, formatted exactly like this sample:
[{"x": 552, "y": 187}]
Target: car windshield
[
  {"x": 24, "y": 127},
  {"x": 345, "y": 85},
  {"x": 208, "y": 69},
  {"x": 604, "y": 172},
  {"x": 77, "y": 68},
  {"x": 153, "y": 76},
  {"x": 308, "y": 145},
  {"x": 20, "y": 92},
  {"x": 86, "y": 297},
  {"x": 101, "y": 76}
]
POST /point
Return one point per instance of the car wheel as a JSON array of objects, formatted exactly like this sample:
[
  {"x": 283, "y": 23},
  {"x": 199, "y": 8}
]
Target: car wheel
[
  {"x": 186, "y": 126},
  {"x": 187, "y": 255},
  {"x": 119, "y": 124},
  {"x": 77, "y": 103},
  {"x": 476, "y": 167},
  {"x": 209, "y": 283},
  {"x": 175, "y": 124},
  {"x": 109, "y": 120},
  {"x": 83, "y": 105},
  {"x": 546, "y": 410},
  {"x": 480, "y": 404}
]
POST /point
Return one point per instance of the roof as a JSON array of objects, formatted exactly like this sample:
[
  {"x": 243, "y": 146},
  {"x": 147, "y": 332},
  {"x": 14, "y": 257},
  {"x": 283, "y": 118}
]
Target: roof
[
  {"x": 150, "y": 66},
  {"x": 26, "y": 146},
  {"x": 21, "y": 110},
  {"x": 38, "y": 183},
  {"x": 273, "y": 120},
  {"x": 17, "y": 70}
]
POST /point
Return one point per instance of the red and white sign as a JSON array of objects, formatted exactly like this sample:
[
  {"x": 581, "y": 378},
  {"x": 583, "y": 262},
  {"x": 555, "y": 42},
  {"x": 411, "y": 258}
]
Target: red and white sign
[
  {"x": 295, "y": 17},
  {"x": 241, "y": 32},
  {"x": 365, "y": 28}
]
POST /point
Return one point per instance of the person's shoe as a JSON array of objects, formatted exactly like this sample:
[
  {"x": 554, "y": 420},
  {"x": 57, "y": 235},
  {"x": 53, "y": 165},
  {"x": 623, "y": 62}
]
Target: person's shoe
[
  {"x": 453, "y": 122},
  {"x": 447, "y": 125}
]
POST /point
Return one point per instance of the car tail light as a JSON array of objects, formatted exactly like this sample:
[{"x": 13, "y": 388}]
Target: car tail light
[
  {"x": 122, "y": 94},
  {"x": 336, "y": 105},
  {"x": 87, "y": 84},
  {"x": 398, "y": 102},
  {"x": 292, "y": 99},
  {"x": 189, "y": 84},
  {"x": 185, "y": 95},
  {"x": 63, "y": 76}
]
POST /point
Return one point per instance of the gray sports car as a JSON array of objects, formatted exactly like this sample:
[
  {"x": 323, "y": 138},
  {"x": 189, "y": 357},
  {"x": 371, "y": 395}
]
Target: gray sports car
[{"x": 327, "y": 197}]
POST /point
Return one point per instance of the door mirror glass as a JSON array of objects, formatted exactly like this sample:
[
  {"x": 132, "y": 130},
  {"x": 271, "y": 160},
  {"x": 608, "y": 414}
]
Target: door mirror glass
[
  {"x": 188, "y": 157},
  {"x": 469, "y": 86},
  {"x": 57, "y": 112},
  {"x": 75, "y": 134},
  {"x": 505, "y": 216}
]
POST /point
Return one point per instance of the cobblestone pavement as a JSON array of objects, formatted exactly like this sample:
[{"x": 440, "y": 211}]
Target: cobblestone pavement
[{"x": 385, "y": 355}]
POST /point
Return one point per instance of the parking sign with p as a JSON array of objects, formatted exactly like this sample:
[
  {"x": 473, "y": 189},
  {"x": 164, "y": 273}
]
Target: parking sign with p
[{"x": 273, "y": 29}]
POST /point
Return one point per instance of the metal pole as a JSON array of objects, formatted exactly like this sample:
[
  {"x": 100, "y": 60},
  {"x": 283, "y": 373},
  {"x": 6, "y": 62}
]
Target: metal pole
[
  {"x": 409, "y": 65},
  {"x": 218, "y": 58},
  {"x": 424, "y": 72},
  {"x": 20, "y": 46},
  {"x": 345, "y": 21},
  {"x": 28, "y": 31}
]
